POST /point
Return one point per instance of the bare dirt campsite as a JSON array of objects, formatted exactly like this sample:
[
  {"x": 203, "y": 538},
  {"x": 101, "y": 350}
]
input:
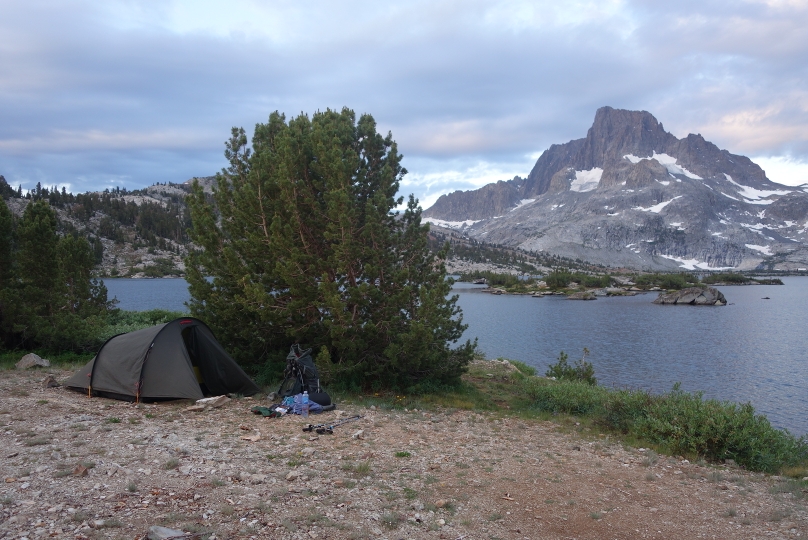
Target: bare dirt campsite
[{"x": 74, "y": 467}]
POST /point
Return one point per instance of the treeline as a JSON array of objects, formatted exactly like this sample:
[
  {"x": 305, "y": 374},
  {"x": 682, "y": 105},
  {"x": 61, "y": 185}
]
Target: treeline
[
  {"x": 147, "y": 224},
  {"x": 149, "y": 220},
  {"x": 527, "y": 262},
  {"x": 48, "y": 298},
  {"x": 561, "y": 278},
  {"x": 496, "y": 279}
]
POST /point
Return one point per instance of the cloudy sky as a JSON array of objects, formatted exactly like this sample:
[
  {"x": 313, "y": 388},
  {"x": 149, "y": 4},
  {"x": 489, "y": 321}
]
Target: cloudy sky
[{"x": 128, "y": 93}]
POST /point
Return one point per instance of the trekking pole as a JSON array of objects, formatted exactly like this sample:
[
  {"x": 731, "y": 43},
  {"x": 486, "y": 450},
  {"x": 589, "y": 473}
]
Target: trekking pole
[{"x": 323, "y": 429}]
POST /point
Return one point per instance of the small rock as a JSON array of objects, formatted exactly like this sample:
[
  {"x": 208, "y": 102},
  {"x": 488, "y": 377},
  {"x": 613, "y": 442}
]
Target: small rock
[
  {"x": 359, "y": 434},
  {"x": 50, "y": 382},
  {"x": 164, "y": 533},
  {"x": 31, "y": 360},
  {"x": 441, "y": 522},
  {"x": 97, "y": 523},
  {"x": 339, "y": 483},
  {"x": 308, "y": 452},
  {"x": 293, "y": 475},
  {"x": 195, "y": 408},
  {"x": 257, "y": 478}
]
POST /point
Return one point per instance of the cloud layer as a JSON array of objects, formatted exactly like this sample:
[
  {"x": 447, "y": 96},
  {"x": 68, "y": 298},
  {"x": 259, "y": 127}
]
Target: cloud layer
[{"x": 131, "y": 93}]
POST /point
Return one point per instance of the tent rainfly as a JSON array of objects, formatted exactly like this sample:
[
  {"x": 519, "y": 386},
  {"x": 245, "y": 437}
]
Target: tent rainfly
[{"x": 175, "y": 360}]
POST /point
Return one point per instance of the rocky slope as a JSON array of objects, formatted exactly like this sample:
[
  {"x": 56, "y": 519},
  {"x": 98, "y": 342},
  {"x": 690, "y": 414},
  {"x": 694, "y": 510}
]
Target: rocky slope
[
  {"x": 142, "y": 232},
  {"x": 632, "y": 195}
]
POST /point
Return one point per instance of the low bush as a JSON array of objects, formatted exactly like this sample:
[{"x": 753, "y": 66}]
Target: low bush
[
  {"x": 729, "y": 277},
  {"x": 678, "y": 422},
  {"x": 582, "y": 370},
  {"x": 121, "y": 322},
  {"x": 666, "y": 281},
  {"x": 684, "y": 423},
  {"x": 523, "y": 368},
  {"x": 118, "y": 322}
]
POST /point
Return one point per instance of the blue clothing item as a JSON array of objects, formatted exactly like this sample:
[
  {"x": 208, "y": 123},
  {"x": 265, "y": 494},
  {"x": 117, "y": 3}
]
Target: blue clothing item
[{"x": 297, "y": 405}]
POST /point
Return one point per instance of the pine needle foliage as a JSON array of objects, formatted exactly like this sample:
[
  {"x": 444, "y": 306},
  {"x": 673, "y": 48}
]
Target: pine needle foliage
[
  {"x": 300, "y": 242},
  {"x": 48, "y": 298}
]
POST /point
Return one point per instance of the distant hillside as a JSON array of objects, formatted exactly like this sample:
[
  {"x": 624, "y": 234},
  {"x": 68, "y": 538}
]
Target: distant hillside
[
  {"x": 141, "y": 233},
  {"x": 632, "y": 195}
]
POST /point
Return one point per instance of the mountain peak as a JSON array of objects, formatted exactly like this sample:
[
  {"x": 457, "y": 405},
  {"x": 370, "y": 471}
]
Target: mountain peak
[{"x": 631, "y": 194}]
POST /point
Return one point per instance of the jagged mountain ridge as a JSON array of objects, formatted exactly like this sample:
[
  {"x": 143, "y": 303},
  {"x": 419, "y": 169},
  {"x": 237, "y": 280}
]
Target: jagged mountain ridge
[{"x": 631, "y": 194}]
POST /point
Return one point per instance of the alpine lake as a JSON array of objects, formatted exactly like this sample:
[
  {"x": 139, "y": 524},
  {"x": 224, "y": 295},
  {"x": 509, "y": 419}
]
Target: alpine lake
[{"x": 754, "y": 350}]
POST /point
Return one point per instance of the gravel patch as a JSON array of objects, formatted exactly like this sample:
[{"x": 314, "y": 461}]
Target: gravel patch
[{"x": 74, "y": 467}]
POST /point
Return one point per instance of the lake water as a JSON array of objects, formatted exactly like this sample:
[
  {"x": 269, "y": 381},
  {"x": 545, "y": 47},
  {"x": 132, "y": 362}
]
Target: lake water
[{"x": 752, "y": 350}]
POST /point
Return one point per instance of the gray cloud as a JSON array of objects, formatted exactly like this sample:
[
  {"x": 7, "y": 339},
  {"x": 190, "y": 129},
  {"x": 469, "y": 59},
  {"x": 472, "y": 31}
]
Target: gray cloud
[{"x": 135, "y": 93}]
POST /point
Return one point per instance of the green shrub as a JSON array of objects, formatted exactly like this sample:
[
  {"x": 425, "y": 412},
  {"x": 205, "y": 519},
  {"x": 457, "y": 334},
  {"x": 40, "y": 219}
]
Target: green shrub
[
  {"x": 685, "y": 423},
  {"x": 523, "y": 368},
  {"x": 567, "y": 396},
  {"x": 581, "y": 371},
  {"x": 121, "y": 322},
  {"x": 558, "y": 279},
  {"x": 496, "y": 279},
  {"x": 666, "y": 281},
  {"x": 679, "y": 422},
  {"x": 729, "y": 277},
  {"x": 593, "y": 281}
]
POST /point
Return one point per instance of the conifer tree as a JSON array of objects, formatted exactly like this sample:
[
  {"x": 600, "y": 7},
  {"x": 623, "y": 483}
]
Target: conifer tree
[
  {"x": 6, "y": 258},
  {"x": 51, "y": 300},
  {"x": 6, "y": 243},
  {"x": 301, "y": 243}
]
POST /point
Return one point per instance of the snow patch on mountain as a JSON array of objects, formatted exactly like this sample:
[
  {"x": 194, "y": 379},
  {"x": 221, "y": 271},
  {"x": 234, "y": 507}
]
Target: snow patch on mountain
[
  {"x": 586, "y": 180},
  {"x": 669, "y": 162},
  {"x": 452, "y": 224},
  {"x": 523, "y": 202},
  {"x": 694, "y": 264},
  {"x": 763, "y": 249},
  {"x": 753, "y": 195},
  {"x": 657, "y": 208}
]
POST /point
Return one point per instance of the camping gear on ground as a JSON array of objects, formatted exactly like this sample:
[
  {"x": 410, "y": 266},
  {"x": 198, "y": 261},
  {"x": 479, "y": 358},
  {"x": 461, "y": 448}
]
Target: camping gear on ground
[
  {"x": 324, "y": 429},
  {"x": 299, "y": 407},
  {"x": 176, "y": 360},
  {"x": 273, "y": 411},
  {"x": 295, "y": 405},
  {"x": 301, "y": 376}
]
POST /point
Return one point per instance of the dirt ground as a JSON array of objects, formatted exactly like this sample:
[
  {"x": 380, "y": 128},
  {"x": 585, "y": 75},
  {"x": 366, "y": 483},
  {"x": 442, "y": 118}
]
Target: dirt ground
[{"x": 74, "y": 467}]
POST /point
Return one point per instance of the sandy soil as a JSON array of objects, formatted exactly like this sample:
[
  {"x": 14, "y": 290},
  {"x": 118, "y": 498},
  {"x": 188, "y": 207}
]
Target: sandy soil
[{"x": 74, "y": 467}]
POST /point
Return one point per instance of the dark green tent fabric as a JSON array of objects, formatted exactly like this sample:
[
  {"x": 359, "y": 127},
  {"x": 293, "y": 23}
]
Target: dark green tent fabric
[{"x": 158, "y": 363}]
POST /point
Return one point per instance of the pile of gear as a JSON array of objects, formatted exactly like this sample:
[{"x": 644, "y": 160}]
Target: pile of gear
[{"x": 300, "y": 379}]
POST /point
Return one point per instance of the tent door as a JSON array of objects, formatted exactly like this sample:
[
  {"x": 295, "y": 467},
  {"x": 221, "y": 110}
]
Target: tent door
[{"x": 191, "y": 345}]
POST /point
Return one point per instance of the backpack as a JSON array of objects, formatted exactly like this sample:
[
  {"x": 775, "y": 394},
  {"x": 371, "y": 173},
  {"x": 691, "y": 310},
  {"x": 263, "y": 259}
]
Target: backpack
[{"x": 301, "y": 376}]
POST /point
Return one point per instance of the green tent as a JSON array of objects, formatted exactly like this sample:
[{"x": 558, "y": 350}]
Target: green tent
[{"x": 175, "y": 360}]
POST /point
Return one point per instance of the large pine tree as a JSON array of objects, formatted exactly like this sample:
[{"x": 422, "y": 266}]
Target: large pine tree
[{"x": 300, "y": 242}]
